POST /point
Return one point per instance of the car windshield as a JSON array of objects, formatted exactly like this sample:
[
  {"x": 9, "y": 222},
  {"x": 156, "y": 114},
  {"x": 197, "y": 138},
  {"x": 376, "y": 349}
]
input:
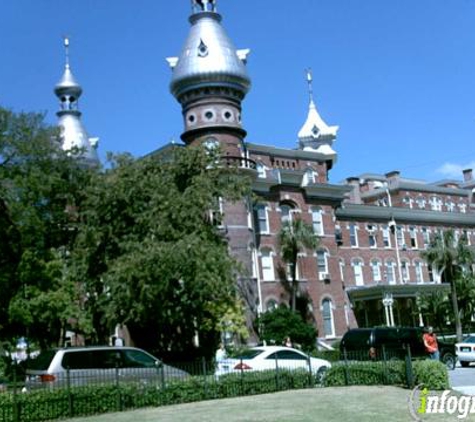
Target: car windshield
[
  {"x": 470, "y": 339},
  {"x": 249, "y": 354},
  {"x": 42, "y": 361}
]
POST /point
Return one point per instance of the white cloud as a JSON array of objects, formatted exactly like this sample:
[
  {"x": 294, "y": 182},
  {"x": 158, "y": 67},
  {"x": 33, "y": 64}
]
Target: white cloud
[{"x": 454, "y": 170}]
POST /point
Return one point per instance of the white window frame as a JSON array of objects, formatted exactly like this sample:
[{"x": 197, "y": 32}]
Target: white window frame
[
  {"x": 376, "y": 270},
  {"x": 436, "y": 203},
  {"x": 419, "y": 272},
  {"x": 400, "y": 237},
  {"x": 355, "y": 236},
  {"x": 390, "y": 267},
  {"x": 260, "y": 218},
  {"x": 319, "y": 254},
  {"x": 267, "y": 264},
  {"x": 413, "y": 237},
  {"x": 328, "y": 317},
  {"x": 371, "y": 228},
  {"x": 341, "y": 265},
  {"x": 261, "y": 171},
  {"x": 405, "y": 271},
  {"x": 425, "y": 237},
  {"x": 386, "y": 237},
  {"x": 358, "y": 274},
  {"x": 421, "y": 202},
  {"x": 317, "y": 221}
]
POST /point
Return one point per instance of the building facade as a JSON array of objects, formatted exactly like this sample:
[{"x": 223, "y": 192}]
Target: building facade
[
  {"x": 372, "y": 228},
  {"x": 367, "y": 269}
]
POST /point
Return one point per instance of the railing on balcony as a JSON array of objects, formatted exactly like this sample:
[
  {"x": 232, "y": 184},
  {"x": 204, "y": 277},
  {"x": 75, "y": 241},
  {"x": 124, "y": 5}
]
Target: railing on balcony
[{"x": 239, "y": 162}]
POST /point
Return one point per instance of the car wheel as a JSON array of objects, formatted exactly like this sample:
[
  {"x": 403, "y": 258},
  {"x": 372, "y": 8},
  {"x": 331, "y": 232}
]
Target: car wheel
[
  {"x": 320, "y": 375},
  {"x": 464, "y": 364},
  {"x": 449, "y": 360}
]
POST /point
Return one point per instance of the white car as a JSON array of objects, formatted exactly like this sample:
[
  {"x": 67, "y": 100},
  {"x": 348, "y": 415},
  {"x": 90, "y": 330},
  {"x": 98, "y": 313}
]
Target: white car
[
  {"x": 466, "y": 351},
  {"x": 271, "y": 358}
]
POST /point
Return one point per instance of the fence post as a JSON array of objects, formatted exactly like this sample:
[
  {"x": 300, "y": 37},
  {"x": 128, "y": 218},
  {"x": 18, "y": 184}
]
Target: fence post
[
  {"x": 117, "y": 386},
  {"x": 277, "y": 386},
  {"x": 70, "y": 397},
  {"x": 409, "y": 373},
  {"x": 203, "y": 366},
  {"x": 16, "y": 405},
  {"x": 310, "y": 375},
  {"x": 385, "y": 367},
  {"x": 242, "y": 378},
  {"x": 345, "y": 367}
]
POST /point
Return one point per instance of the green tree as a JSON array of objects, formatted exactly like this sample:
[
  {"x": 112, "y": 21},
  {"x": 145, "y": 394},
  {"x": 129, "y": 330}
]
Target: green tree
[
  {"x": 452, "y": 259},
  {"x": 40, "y": 187},
  {"x": 150, "y": 256},
  {"x": 294, "y": 237},
  {"x": 277, "y": 324}
]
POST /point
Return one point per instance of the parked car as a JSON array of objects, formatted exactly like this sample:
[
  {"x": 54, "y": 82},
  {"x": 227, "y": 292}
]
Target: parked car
[
  {"x": 466, "y": 351},
  {"x": 273, "y": 357},
  {"x": 390, "y": 343},
  {"x": 93, "y": 365}
]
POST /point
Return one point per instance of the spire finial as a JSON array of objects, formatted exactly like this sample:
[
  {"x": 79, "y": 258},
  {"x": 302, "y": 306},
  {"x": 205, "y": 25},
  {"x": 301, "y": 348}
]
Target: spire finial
[
  {"x": 308, "y": 71},
  {"x": 198, "y": 6},
  {"x": 66, "y": 49}
]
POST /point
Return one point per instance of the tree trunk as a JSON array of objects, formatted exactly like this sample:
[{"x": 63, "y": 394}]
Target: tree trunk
[{"x": 455, "y": 307}]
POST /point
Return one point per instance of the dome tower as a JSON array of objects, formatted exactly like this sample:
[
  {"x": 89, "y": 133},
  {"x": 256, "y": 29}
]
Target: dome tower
[
  {"x": 73, "y": 135},
  {"x": 210, "y": 80}
]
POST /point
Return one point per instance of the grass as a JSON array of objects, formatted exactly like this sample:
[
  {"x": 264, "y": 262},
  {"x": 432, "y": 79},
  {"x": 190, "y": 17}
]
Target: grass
[{"x": 388, "y": 404}]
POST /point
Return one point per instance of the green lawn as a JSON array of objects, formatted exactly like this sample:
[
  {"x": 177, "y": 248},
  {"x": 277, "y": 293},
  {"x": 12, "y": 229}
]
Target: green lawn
[{"x": 388, "y": 404}]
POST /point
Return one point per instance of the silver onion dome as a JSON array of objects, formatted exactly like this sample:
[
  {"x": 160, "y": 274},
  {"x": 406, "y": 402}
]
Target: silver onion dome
[
  {"x": 208, "y": 58},
  {"x": 68, "y": 84},
  {"x": 73, "y": 136}
]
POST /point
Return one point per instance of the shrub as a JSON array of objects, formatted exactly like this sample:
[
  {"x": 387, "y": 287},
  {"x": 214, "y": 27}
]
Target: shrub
[
  {"x": 279, "y": 323},
  {"x": 365, "y": 373},
  {"x": 44, "y": 405},
  {"x": 432, "y": 374}
]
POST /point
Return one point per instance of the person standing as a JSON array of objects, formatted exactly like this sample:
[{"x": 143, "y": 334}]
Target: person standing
[
  {"x": 430, "y": 343},
  {"x": 221, "y": 353}
]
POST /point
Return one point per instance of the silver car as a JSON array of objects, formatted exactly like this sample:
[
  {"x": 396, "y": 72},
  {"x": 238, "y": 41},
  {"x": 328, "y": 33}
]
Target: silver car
[{"x": 95, "y": 365}]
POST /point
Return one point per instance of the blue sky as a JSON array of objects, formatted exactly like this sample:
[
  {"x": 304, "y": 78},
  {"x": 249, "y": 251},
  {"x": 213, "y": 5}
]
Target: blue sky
[{"x": 398, "y": 76}]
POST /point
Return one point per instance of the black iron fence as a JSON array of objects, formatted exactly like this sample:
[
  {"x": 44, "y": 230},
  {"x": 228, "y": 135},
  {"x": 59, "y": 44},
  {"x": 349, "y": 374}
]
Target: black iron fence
[{"x": 86, "y": 391}]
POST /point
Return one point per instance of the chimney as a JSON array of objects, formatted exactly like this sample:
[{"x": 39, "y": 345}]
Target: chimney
[
  {"x": 467, "y": 175},
  {"x": 355, "y": 194},
  {"x": 393, "y": 175}
]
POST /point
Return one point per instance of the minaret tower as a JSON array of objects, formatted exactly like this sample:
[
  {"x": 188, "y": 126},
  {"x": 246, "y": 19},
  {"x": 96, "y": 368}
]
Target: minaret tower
[
  {"x": 73, "y": 135},
  {"x": 210, "y": 81},
  {"x": 315, "y": 134}
]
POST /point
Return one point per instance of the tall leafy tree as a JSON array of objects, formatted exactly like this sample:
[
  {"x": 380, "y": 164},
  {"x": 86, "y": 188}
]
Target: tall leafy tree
[
  {"x": 150, "y": 256},
  {"x": 294, "y": 237},
  {"x": 452, "y": 259},
  {"x": 40, "y": 187}
]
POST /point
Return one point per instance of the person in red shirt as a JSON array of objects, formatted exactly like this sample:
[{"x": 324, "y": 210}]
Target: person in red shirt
[{"x": 430, "y": 343}]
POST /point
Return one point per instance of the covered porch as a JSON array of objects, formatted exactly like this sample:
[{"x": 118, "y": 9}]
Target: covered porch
[{"x": 391, "y": 305}]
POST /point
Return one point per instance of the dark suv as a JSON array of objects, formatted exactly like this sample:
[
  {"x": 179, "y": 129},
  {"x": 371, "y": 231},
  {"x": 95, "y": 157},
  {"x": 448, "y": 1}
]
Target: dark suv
[{"x": 391, "y": 343}]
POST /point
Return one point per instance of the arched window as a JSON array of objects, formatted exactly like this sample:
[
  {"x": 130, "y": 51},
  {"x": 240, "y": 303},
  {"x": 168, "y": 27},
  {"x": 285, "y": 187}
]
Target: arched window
[
  {"x": 317, "y": 221},
  {"x": 421, "y": 202},
  {"x": 322, "y": 262},
  {"x": 271, "y": 305},
  {"x": 390, "y": 272},
  {"x": 267, "y": 262},
  {"x": 286, "y": 211},
  {"x": 419, "y": 273},
  {"x": 376, "y": 270},
  {"x": 261, "y": 170},
  {"x": 328, "y": 320},
  {"x": 358, "y": 272},
  {"x": 262, "y": 219},
  {"x": 405, "y": 271}
]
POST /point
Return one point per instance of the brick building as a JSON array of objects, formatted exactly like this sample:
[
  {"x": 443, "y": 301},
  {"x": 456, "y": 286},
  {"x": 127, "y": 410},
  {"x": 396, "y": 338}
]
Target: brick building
[{"x": 372, "y": 228}]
